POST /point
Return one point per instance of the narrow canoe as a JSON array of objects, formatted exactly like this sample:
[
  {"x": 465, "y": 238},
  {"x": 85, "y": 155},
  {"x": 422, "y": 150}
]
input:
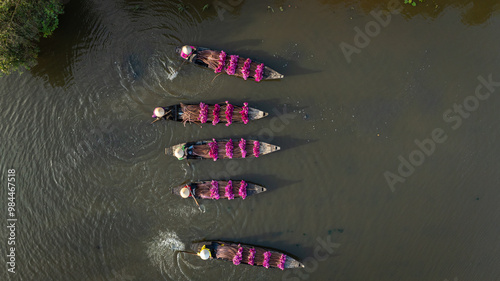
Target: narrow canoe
[
  {"x": 192, "y": 113},
  {"x": 252, "y": 255},
  {"x": 201, "y": 189},
  {"x": 210, "y": 58},
  {"x": 202, "y": 149}
]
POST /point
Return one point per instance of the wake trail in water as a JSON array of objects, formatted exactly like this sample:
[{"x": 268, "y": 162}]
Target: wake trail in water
[{"x": 162, "y": 252}]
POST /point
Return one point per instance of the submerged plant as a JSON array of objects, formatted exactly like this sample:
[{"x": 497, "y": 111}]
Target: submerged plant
[
  {"x": 181, "y": 7},
  {"x": 413, "y": 2}
]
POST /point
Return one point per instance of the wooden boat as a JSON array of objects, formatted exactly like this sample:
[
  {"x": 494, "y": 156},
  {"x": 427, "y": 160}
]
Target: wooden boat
[
  {"x": 220, "y": 149},
  {"x": 204, "y": 189},
  {"x": 245, "y": 254},
  {"x": 234, "y": 65},
  {"x": 221, "y": 113}
]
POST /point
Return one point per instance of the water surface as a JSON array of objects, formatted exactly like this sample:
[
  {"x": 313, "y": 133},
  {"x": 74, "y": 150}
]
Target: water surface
[{"x": 94, "y": 198}]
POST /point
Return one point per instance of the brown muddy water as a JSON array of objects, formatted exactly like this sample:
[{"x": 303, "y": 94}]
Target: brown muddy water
[{"x": 389, "y": 162}]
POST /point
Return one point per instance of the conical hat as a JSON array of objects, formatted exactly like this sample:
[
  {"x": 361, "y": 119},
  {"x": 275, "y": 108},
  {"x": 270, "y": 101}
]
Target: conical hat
[
  {"x": 187, "y": 50},
  {"x": 185, "y": 192},
  {"x": 179, "y": 153},
  {"x": 204, "y": 254},
  {"x": 159, "y": 111}
]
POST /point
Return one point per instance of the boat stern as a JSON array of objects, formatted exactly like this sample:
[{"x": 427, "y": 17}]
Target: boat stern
[{"x": 196, "y": 246}]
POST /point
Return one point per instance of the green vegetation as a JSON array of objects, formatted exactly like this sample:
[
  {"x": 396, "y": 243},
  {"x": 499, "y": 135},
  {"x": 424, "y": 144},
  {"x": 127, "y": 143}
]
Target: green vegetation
[
  {"x": 22, "y": 23},
  {"x": 413, "y": 2}
]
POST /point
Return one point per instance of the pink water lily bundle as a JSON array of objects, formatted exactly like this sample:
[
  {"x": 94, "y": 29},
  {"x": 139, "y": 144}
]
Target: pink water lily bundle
[
  {"x": 229, "y": 149},
  {"x": 243, "y": 148},
  {"x": 259, "y": 72},
  {"x": 244, "y": 113},
  {"x": 243, "y": 190},
  {"x": 233, "y": 63},
  {"x": 251, "y": 257},
  {"x": 214, "y": 150},
  {"x": 256, "y": 148},
  {"x": 238, "y": 257},
  {"x": 214, "y": 190},
  {"x": 229, "y": 190},
  {"x": 222, "y": 62},
  {"x": 245, "y": 70},
  {"x": 281, "y": 264},
  {"x": 203, "y": 112},
  {"x": 216, "y": 113},
  {"x": 267, "y": 257},
  {"x": 229, "y": 113}
]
